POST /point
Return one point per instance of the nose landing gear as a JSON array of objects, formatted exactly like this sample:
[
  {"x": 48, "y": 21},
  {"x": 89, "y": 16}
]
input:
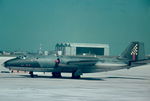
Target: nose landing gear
[{"x": 31, "y": 74}]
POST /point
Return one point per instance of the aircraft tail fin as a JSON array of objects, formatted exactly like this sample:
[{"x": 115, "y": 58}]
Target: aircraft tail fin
[{"x": 134, "y": 52}]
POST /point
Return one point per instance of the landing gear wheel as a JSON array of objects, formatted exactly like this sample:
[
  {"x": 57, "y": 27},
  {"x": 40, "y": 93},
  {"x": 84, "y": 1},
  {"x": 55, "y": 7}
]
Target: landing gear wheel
[
  {"x": 56, "y": 74},
  {"x": 31, "y": 74},
  {"x": 75, "y": 76}
]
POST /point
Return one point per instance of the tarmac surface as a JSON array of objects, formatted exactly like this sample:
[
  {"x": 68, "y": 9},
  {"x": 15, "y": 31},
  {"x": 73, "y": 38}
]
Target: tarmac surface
[{"x": 121, "y": 85}]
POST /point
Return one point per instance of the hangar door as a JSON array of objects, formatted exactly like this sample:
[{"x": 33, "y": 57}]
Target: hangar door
[{"x": 89, "y": 51}]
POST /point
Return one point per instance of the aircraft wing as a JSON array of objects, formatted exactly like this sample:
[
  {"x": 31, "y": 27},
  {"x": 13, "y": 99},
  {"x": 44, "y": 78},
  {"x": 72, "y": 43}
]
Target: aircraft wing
[{"x": 82, "y": 62}]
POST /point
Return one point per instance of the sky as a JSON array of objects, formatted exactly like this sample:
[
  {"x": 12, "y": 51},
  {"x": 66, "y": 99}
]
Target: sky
[{"x": 25, "y": 24}]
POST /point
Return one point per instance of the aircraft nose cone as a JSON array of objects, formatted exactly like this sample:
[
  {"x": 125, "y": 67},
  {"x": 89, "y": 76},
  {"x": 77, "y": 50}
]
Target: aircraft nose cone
[
  {"x": 3, "y": 64},
  {"x": 21, "y": 63},
  {"x": 9, "y": 63}
]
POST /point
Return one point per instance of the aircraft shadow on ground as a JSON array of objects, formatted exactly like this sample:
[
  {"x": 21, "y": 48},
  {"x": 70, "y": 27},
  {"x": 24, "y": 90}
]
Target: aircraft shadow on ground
[
  {"x": 121, "y": 77},
  {"x": 50, "y": 77},
  {"x": 82, "y": 78},
  {"x": 90, "y": 78}
]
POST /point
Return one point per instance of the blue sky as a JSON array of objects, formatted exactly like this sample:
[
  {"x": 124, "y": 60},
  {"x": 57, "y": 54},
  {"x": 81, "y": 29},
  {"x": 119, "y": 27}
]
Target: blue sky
[{"x": 25, "y": 24}]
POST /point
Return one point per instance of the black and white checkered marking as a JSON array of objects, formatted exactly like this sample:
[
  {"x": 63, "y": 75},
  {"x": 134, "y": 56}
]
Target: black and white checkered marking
[{"x": 135, "y": 50}]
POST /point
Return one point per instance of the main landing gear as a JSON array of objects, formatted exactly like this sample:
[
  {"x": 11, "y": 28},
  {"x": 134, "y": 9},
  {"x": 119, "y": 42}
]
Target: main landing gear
[
  {"x": 56, "y": 74},
  {"x": 76, "y": 74}
]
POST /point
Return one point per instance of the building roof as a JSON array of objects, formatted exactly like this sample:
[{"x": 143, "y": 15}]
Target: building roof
[{"x": 81, "y": 45}]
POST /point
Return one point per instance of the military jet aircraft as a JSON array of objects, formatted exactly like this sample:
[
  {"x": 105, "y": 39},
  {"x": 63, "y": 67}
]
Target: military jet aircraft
[{"x": 77, "y": 65}]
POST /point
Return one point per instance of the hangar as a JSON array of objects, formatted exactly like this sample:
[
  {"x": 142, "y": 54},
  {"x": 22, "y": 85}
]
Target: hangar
[{"x": 73, "y": 49}]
